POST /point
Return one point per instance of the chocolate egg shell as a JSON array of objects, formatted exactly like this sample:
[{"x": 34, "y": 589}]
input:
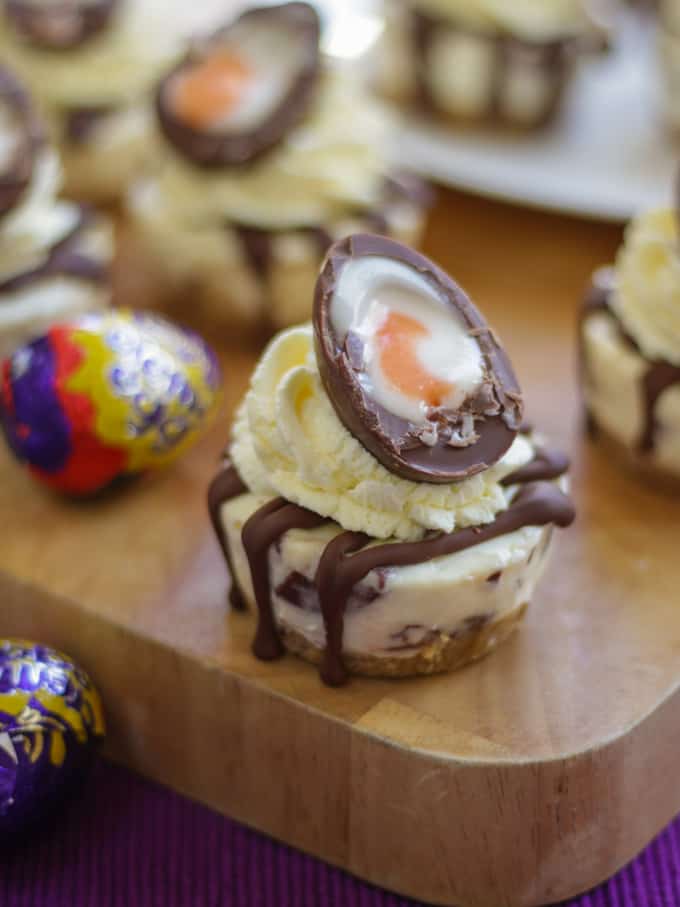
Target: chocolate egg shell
[
  {"x": 107, "y": 396},
  {"x": 51, "y": 720},
  {"x": 59, "y": 25},
  {"x": 380, "y": 310},
  {"x": 260, "y": 41},
  {"x": 24, "y": 135}
]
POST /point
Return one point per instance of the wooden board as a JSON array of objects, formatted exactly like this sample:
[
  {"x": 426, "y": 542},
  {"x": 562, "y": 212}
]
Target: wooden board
[{"x": 518, "y": 781}]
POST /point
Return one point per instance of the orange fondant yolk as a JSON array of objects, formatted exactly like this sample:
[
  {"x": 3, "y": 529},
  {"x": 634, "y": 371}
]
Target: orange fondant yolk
[
  {"x": 397, "y": 341},
  {"x": 211, "y": 88}
]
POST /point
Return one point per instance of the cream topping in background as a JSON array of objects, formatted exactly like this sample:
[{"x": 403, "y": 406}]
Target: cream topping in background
[
  {"x": 647, "y": 297},
  {"x": 288, "y": 441},
  {"x": 117, "y": 65},
  {"x": 334, "y": 160},
  {"x": 531, "y": 19}
]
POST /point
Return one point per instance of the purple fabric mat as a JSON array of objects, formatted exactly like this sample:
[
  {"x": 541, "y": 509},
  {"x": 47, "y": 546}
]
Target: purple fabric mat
[{"x": 128, "y": 843}]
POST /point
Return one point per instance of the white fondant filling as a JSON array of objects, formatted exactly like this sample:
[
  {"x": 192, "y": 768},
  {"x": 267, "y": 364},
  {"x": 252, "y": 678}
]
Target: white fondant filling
[{"x": 372, "y": 288}]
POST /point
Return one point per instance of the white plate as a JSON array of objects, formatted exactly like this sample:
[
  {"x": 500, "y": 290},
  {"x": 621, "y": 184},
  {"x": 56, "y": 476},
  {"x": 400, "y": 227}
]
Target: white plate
[{"x": 607, "y": 156}]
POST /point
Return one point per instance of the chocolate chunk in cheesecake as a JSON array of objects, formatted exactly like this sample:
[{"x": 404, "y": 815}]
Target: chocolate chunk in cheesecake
[
  {"x": 410, "y": 365},
  {"x": 22, "y": 139},
  {"x": 238, "y": 93},
  {"x": 59, "y": 24}
]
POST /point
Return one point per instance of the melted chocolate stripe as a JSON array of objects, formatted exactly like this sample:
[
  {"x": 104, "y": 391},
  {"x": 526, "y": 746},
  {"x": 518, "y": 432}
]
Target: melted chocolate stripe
[
  {"x": 16, "y": 178},
  {"x": 538, "y": 504},
  {"x": 259, "y": 533},
  {"x": 225, "y": 486},
  {"x": 62, "y": 260},
  {"x": 80, "y": 122},
  {"x": 659, "y": 376},
  {"x": 546, "y": 465},
  {"x": 553, "y": 57},
  {"x": 334, "y": 586}
]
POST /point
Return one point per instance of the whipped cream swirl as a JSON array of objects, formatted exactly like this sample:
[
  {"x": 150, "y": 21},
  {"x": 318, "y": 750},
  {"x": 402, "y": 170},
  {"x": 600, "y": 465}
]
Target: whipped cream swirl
[{"x": 288, "y": 441}]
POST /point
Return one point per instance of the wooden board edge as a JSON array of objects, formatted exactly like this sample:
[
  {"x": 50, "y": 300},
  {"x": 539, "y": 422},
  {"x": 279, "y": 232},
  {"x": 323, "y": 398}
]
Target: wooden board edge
[{"x": 441, "y": 830}]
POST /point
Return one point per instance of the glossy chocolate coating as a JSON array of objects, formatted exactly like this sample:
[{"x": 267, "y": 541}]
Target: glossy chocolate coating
[
  {"x": 496, "y": 407},
  {"x": 59, "y": 26},
  {"x": 212, "y": 149},
  {"x": 16, "y": 176}
]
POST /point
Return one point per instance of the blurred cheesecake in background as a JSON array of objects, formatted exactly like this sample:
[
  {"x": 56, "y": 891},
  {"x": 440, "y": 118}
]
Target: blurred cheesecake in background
[
  {"x": 266, "y": 153},
  {"x": 54, "y": 255},
  {"x": 630, "y": 341},
  {"x": 492, "y": 61},
  {"x": 91, "y": 64}
]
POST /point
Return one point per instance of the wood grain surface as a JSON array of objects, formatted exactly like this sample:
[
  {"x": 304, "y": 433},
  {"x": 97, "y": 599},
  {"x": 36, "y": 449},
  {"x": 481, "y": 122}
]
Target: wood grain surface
[{"x": 517, "y": 781}]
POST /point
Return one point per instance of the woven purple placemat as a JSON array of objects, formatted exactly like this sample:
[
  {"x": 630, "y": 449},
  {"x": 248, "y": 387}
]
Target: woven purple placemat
[{"x": 128, "y": 843}]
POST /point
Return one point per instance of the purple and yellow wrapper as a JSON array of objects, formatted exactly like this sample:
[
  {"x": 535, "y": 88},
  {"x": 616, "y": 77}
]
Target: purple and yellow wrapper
[
  {"x": 109, "y": 395},
  {"x": 51, "y": 719}
]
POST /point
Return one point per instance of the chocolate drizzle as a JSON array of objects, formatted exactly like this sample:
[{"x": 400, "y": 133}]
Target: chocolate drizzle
[
  {"x": 16, "y": 177},
  {"x": 545, "y": 466},
  {"x": 257, "y": 244},
  {"x": 226, "y": 485},
  {"x": 658, "y": 377},
  {"x": 211, "y": 149},
  {"x": 62, "y": 25},
  {"x": 551, "y": 57},
  {"x": 349, "y": 558},
  {"x": 80, "y": 122},
  {"x": 265, "y": 527},
  {"x": 63, "y": 260}
]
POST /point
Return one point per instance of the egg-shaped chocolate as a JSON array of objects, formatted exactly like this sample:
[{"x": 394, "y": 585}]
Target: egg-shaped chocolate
[
  {"x": 22, "y": 138},
  {"x": 239, "y": 92},
  {"x": 59, "y": 24},
  {"x": 411, "y": 367},
  {"x": 107, "y": 396},
  {"x": 50, "y": 721}
]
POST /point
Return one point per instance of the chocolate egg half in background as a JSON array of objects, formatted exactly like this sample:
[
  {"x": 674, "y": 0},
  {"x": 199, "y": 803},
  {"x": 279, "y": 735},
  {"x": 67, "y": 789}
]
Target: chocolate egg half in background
[
  {"x": 23, "y": 138},
  {"x": 51, "y": 720},
  {"x": 241, "y": 91},
  {"x": 59, "y": 24},
  {"x": 412, "y": 369},
  {"x": 107, "y": 396}
]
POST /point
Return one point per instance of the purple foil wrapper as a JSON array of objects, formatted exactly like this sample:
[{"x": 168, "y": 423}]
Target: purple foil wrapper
[{"x": 50, "y": 720}]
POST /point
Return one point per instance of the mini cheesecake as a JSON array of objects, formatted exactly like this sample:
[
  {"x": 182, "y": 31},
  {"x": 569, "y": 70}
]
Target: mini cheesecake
[
  {"x": 630, "y": 349},
  {"x": 54, "y": 255},
  {"x": 382, "y": 508},
  {"x": 265, "y": 158},
  {"x": 91, "y": 64},
  {"x": 486, "y": 62}
]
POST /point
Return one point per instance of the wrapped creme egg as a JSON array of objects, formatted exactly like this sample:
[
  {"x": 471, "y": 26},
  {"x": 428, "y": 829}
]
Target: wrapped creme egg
[
  {"x": 51, "y": 719},
  {"x": 106, "y": 396}
]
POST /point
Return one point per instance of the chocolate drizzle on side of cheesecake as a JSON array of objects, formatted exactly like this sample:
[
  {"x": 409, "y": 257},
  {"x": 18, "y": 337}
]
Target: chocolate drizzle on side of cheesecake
[
  {"x": 226, "y": 485},
  {"x": 16, "y": 176},
  {"x": 659, "y": 375},
  {"x": 61, "y": 25},
  {"x": 349, "y": 558},
  {"x": 257, "y": 243},
  {"x": 80, "y": 122},
  {"x": 552, "y": 57},
  {"x": 64, "y": 259}
]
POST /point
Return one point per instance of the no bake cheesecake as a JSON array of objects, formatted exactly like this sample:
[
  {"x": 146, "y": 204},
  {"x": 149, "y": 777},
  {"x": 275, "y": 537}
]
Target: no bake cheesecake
[{"x": 382, "y": 506}]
